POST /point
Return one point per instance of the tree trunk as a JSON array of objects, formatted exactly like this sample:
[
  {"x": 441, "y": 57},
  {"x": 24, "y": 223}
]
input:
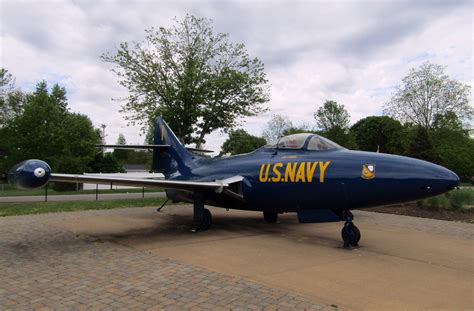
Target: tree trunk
[{"x": 201, "y": 136}]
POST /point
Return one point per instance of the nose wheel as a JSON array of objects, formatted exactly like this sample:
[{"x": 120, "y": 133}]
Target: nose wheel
[{"x": 350, "y": 233}]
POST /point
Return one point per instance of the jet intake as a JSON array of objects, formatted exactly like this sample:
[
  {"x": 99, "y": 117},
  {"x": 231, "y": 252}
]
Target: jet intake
[{"x": 29, "y": 174}]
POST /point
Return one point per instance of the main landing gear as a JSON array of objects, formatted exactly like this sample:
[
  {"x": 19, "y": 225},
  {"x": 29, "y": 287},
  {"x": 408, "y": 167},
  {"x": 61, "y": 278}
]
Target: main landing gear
[
  {"x": 350, "y": 233},
  {"x": 202, "y": 216},
  {"x": 270, "y": 217}
]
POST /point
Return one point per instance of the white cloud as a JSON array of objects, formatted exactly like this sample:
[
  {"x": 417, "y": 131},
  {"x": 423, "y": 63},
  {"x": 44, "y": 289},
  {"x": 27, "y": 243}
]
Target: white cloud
[{"x": 354, "y": 52}]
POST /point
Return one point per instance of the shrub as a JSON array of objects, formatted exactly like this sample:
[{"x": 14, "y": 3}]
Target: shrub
[
  {"x": 453, "y": 200},
  {"x": 64, "y": 186},
  {"x": 461, "y": 197},
  {"x": 436, "y": 203}
]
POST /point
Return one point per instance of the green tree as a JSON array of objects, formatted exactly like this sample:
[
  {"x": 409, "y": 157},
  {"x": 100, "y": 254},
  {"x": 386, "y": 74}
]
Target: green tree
[
  {"x": 6, "y": 81},
  {"x": 299, "y": 129},
  {"x": 332, "y": 115},
  {"x": 11, "y": 100},
  {"x": 240, "y": 141},
  {"x": 340, "y": 136},
  {"x": 3, "y": 152},
  {"x": 129, "y": 156},
  {"x": 121, "y": 139},
  {"x": 121, "y": 154},
  {"x": 105, "y": 163},
  {"x": 139, "y": 157},
  {"x": 11, "y": 104},
  {"x": 44, "y": 130},
  {"x": 453, "y": 145},
  {"x": 380, "y": 133},
  {"x": 58, "y": 96},
  {"x": 333, "y": 119},
  {"x": 197, "y": 80},
  {"x": 449, "y": 121},
  {"x": 276, "y": 127},
  {"x": 455, "y": 151},
  {"x": 447, "y": 144},
  {"x": 427, "y": 92},
  {"x": 421, "y": 145}
]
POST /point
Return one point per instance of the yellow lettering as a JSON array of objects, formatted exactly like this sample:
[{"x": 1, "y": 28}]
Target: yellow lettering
[
  {"x": 290, "y": 171},
  {"x": 310, "y": 168},
  {"x": 261, "y": 177},
  {"x": 300, "y": 174},
  {"x": 277, "y": 172},
  {"x": 322, "y": 170}
]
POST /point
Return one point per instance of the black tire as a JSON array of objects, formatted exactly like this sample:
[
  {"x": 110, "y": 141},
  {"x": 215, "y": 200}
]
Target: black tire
[
  {"x": 206, "y": 220},
  {"x": 350, "y": 234},
  {"x": 270, "y": 217}
]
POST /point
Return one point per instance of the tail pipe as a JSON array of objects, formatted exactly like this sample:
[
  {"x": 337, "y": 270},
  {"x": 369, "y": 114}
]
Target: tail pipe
[{"x": 29, "y": 174}]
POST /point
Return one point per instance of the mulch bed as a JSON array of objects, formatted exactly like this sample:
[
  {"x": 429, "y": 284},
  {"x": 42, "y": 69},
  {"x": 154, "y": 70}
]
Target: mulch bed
[{"x": 410, "y": 209}]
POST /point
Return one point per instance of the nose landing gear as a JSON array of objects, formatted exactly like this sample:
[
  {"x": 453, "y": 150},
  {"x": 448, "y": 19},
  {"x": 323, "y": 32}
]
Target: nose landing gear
[{"x": 350, "y": 233}]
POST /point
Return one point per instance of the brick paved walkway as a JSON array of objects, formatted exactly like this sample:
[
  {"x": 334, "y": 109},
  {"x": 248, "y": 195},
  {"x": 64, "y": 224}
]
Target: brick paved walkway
[{"x": 45, "y": 268}]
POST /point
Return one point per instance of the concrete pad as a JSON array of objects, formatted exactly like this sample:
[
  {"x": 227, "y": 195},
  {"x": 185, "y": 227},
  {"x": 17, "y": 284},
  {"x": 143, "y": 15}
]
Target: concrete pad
[{"x": 395, "y": 268}]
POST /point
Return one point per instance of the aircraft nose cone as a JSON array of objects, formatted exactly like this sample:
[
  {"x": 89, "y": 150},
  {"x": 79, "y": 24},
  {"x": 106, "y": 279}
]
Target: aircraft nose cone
[
  {"x": 443, "y": 179},
  {"x": 450, "y": 179}
]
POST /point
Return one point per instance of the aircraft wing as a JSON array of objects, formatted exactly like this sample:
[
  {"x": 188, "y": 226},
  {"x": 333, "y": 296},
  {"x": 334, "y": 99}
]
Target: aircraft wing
[
  {"x": 216, "y": 186},
  {"x": 31, "y": 174}
]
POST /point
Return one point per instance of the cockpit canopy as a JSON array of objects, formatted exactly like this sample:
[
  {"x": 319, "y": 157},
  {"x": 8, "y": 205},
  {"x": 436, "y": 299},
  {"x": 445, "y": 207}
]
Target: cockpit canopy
[{"x": 306, "y": 141}]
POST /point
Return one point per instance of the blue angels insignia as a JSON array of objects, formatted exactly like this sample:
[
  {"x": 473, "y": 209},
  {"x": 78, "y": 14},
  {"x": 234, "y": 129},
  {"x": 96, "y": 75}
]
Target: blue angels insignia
[{"x": 368, "y": 171}]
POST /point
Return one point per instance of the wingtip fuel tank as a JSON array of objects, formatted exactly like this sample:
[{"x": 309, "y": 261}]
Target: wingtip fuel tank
[{"x": 29, "y": 174}]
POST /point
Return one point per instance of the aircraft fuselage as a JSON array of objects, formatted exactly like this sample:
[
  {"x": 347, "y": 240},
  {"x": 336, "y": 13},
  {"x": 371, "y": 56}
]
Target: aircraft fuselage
[{"x": 291, "y": 180}]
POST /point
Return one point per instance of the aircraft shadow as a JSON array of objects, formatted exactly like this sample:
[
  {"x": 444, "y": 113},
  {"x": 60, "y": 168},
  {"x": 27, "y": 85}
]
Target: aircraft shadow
[
  {"x": 174, "y": 229},
  {"x": 180, "y": 228}
]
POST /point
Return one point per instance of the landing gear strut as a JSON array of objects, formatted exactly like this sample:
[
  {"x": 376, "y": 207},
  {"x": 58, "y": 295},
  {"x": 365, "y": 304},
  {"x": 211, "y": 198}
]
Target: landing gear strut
[
  {"x": 202, "y": 216},
  {"x": 350, "y": 233}
]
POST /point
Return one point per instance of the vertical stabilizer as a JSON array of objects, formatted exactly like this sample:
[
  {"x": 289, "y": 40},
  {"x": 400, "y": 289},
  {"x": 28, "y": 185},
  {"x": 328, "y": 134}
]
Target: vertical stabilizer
[{"x": 174, "y": 160}]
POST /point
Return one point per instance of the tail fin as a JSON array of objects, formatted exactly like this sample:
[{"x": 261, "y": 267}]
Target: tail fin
[{"x": 171, "y": 161}]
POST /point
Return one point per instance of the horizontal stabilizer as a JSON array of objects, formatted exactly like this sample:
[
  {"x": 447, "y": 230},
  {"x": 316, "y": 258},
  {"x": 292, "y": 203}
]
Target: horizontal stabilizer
[
  {"x": 198, "y": 150},
  {"x": 149, "y": 147}
]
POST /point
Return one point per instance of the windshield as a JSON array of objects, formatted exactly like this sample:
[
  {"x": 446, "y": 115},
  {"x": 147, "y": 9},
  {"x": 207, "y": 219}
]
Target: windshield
[
  {"x": 297, "y": 141},
  {"x": 320, "y": 143}
]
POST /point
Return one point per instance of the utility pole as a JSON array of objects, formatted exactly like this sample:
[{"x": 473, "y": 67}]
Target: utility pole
[{"x": 103, "y": 126}]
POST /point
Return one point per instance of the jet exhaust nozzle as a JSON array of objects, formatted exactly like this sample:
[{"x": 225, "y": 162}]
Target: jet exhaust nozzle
[{"x": 29, "y": 174}]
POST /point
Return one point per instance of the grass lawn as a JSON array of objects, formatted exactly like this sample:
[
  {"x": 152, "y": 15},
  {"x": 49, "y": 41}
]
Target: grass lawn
[
  {"x": 8, "y": 191},
  {"x": 12, "y": 209}
]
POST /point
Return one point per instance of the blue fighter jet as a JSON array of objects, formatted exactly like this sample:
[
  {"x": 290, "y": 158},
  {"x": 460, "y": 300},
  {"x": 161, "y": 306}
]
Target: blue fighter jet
[{"x": 303, "y": 173}]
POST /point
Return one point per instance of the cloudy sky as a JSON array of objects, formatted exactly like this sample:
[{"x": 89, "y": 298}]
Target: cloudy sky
[{"x": 354, "y": 52}]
